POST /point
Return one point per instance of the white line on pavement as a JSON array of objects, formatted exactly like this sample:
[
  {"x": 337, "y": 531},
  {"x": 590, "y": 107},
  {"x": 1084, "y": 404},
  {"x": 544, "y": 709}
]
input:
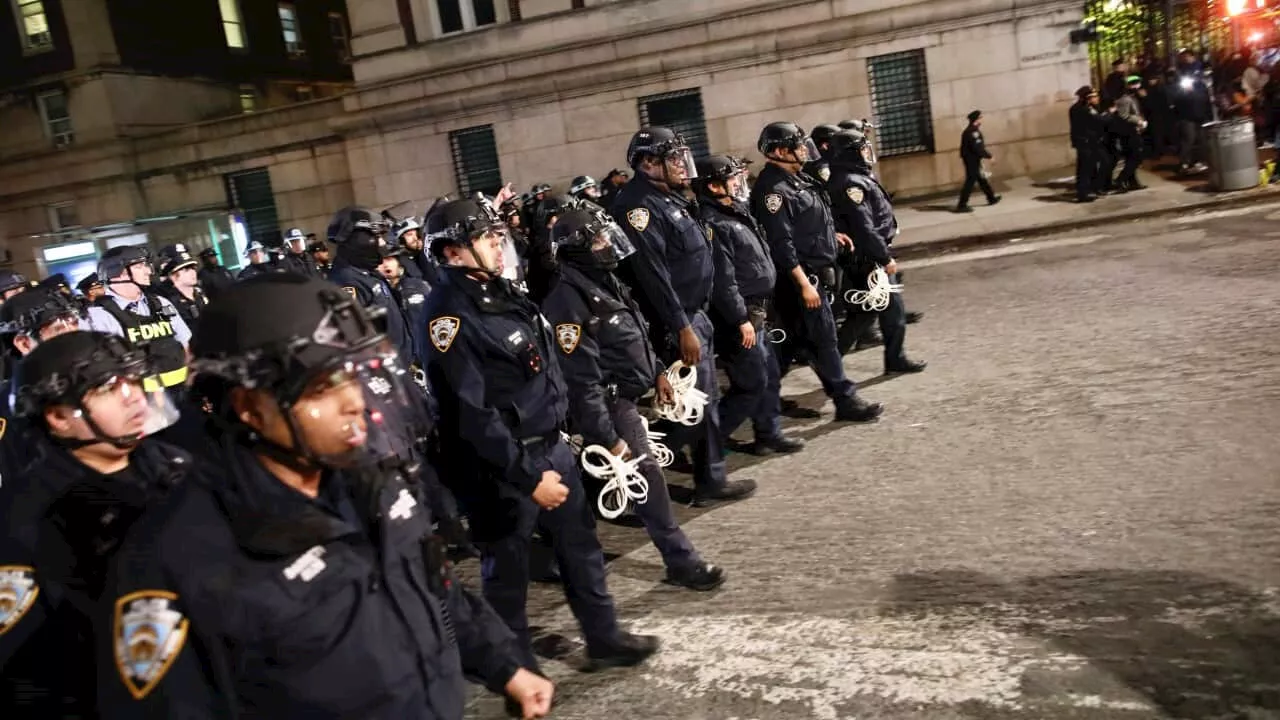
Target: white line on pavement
[
  {"x": 990, "y": 253},
  {"x": 1214, "y": 214}
]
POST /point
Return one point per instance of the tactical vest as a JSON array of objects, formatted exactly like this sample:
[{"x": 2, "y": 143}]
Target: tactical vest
[{"x": 155, "y": 335}]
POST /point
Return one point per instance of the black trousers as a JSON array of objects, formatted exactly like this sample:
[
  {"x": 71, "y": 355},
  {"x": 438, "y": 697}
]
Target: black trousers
[
  {"x": 1087, "y": 166},
  {"x": 973, "y": 176}
]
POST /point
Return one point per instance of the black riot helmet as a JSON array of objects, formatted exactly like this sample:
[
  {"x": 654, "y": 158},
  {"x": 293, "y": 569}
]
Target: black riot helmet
[
  {"x": 10, "y": 280},
  {"x": 358, "y": 234},
  {"x": 786, "y": 136},
  {"x": 821, "y": 135},
  {"x": 720, "y": 169},
  {"x": 32, "y": 311},
  {"x": 585, "y": 186},
  {"x": 852, "y": 149},
  {"x": 670, "y": 149},
  {"x": 326, "y": 343},
  {"x": 125, "y": 259},
  {"x": 459, "y": 224},
  {"x": 86, "y": 371},
  {"x": 589, "y": 239}
]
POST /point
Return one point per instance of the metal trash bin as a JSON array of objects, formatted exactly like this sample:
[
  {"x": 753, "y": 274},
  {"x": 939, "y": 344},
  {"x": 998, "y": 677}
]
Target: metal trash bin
[{"x": 1233, "y": 154}]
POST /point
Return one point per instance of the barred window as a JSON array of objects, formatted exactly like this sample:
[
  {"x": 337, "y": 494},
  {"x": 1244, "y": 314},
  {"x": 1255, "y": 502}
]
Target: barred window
[
  {"x": 900, "y": 103},
  {"x": 682, "y": 112},
  {"x": 475, "y": 161}
]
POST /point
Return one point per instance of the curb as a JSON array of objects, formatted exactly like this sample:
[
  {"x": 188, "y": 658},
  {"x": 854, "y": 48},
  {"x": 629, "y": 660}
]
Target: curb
[{"x": 929, "y": 248}]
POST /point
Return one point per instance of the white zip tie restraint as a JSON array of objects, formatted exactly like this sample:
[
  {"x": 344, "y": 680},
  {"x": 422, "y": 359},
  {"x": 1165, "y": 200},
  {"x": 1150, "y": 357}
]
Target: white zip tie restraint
[
  {"x": 661, "y": 453},
  {"x": 813, "y": 280},
  {"x": 689, "y": 400},
  {"x": 777, "y": 336},
  {"x": 623, "y": 481},
  {"x": 876, "y": 297}
]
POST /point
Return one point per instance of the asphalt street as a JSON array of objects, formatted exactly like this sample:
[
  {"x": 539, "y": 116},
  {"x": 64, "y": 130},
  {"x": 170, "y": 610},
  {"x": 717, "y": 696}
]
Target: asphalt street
[{"x": 1074, "y": 513}]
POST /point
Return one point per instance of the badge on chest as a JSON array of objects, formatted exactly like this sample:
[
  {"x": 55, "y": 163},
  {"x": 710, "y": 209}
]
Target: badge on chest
[{"x": 568, "y": 335}]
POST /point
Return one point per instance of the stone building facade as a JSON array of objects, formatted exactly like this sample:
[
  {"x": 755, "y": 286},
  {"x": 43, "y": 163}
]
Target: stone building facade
[{"x": 460, "y": 95}]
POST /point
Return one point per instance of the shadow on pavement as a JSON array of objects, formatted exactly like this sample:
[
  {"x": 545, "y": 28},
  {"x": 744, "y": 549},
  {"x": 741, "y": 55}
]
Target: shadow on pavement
[
  {"x": 1193, "y": 645},
  {"x": 1060, "y": 197}
]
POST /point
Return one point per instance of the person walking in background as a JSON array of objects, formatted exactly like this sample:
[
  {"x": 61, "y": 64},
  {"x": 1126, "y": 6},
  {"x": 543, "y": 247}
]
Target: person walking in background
[{"x": 973, "y": 150}]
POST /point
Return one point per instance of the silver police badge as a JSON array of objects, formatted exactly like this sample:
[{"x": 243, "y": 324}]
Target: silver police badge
[
  {"x": 568, "y": 336},
  {"x": 639, "y": 218},
  {"x": 855, "y": 194},
  {"x": 442, "y": 331},
  {"x": 148, "y": 635},
  {"x": 772, "y": 202},
  {"x": 824, "y": 173},
  {"x": 18, "y": 592}
]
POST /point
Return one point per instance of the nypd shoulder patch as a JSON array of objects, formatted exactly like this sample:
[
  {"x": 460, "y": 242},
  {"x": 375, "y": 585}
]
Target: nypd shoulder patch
[
  {"x": 773, "y": 202},
  {"x": 824, "y": 173},
  {"x": 148, "y": 634},
  {"x": 4, "y": 425},
  {"x": 638, "y": 218},
  {"x": 18, "y": 591},
  {"x": 443, "y": 330},
  {"x": 855, "y": 194},
  {"x": 568, "y": 335}
]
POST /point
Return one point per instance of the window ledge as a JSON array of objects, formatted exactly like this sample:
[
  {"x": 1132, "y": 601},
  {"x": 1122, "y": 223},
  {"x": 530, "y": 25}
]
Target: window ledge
[{"x": 28, "y": 52}]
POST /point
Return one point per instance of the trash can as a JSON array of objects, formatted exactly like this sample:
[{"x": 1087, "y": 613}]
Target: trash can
[{"x": 1233, "y": 154}]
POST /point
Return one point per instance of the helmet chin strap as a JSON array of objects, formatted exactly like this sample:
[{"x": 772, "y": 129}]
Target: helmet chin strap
[{"x": 122, "y": 442}]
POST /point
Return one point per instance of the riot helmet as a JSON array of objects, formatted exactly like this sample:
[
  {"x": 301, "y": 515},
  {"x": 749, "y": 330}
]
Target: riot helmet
[
  {"x": 729, "y": 172},
  {"x": 852, "y": 149},
  {"x": 358, "y": 234},
  {"x": 126, "y": 265},
  {"x": 585, "y": 186},
  {"x": 590, "y": 240},
  {"x": 469, "y": 225},
  {"x": 38, "y": 315},
  {"x": 87, "y": 388},
  {"x": 821, "y": 135},
  {"x": 295, "y": 385},
  {"x": 670, "y": 160},
  {"x": 781, "y": 137}
]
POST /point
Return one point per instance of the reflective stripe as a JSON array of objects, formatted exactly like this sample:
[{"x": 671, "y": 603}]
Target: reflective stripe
[{"x": 156, "y": 383}]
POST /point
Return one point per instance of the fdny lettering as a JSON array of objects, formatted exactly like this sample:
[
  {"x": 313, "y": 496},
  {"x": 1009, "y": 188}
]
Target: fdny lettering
[{"x": 151, "y": 331}]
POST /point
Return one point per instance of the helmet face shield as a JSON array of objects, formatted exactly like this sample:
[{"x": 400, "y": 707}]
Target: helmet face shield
[
  {"x": 679, "y": 165},
  {"x": 807, "y": 150},
  {"x": 610, "y": 245}
]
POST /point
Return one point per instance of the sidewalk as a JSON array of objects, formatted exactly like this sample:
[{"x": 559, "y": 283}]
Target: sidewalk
[{"x": 1044, "y": 204}]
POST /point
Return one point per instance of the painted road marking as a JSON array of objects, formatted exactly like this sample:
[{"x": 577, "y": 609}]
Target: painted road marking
[{"x": 1232, "y": 212}]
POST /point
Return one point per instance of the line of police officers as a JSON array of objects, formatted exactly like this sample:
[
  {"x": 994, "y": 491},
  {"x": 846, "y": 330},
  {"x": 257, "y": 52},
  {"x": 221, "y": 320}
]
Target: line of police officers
[{"x": 242, "y": 507}]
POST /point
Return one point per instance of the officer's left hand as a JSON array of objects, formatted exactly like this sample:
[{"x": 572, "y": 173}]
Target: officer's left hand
[
  {"x": 844, "y": 240},
  {"x": 748, "y": 335},
  {"x": 666, "y": 395},
  {"x": 532, "y": 691}
]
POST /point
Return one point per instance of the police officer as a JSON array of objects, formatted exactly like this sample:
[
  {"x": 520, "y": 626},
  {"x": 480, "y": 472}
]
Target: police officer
[
  {"x": 417, "y": 262},
  {"x": 609, "y": 364},
  {"x": 818, "y": 167},
  {"x": 296, "y": 259},
  {"x": 133, "y": 310},
  {"x": 257, "y": 255},
  {"x": 57, "y": 283},
  {"x": 584, "y": 187},
  {"x": 213, "y": 277},
  {"x": 503, "y": 404},
  {"x": 358, "y": 235},
  {"x": 319, "y": 253},
  {"x": 613, "y": 183},
  {"x": 28, "y": 320},
  {"x": 183, "y": 286},
  {"x": 862, "y": 211},
  {"x": 673, "y": 271},
  {"x": 1087, "y": 138},
  {"x": 11, "y": 283},
  {"x": 410, "y": 294},
  {"x": 795, "y": 213},
  {"x": 91, "y": 287},
  {"x": 973, "y": 150},
  {"x": 741, "y": 303},
  {"x": 293, "y": 579},
  {"x": 88, "y": 476}
]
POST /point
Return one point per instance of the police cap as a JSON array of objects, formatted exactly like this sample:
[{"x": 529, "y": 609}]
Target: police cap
[
  {"x": 174, "y": 258},
  {"x": 57, "y": 281},
  {"x": 245, "y": 347},
  {"x": 88, "y": 283},
  {"x": 973, "y": 116}
]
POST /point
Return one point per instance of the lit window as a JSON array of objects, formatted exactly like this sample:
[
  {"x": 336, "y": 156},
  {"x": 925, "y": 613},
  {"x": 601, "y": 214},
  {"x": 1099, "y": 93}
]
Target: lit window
[
  {"x": 248, "y": 100},
  {"x": 303, "y": 93},
  {"x": 33, "y": 25},
  {"x": 232, "y": 25},
  {"x": 459, "y": 15},
  {"x": 341, "y": 39},
  {"x": 56, "y": 116},
  {"x": 289, "y": 28}
]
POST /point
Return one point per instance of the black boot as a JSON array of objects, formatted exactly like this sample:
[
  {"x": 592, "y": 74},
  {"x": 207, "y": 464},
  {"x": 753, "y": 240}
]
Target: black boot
[
  {"x": 703, "y": 578},
  {"x": 732, "y": 490},
  {"x": 792, "y": 409},
  {"x": 625, "y": 650},
  {"x": 780, "y": 444},
  {"x": 855, "y": 409},
  {"x": 904, "y": 367},
  {"x": 914, "y": 317}
]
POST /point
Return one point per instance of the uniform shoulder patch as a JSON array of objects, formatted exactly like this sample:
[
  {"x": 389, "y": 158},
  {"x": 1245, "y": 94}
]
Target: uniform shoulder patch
[
  {"x": 639, "y": 218},
  {"x": 855, "y": 194},
  {"x": 147, "y": 636},
  {"x": 18, "y": 591},
  {"x": 773, "y": 202},
  {"x": 824, "y": 173},
  {"x": 350, "y": 290},
  {"x": 443, "y": 330},
  {"x": 568, "y": 335},
  {"x": 4, "y": 425}
]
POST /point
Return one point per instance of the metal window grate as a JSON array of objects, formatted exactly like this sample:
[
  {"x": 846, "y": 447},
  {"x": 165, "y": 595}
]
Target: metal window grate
[
  {"x": 682, "y": 112},
  {"x": 900, "y": 103},
  {"x": 475, "y": 161},
  {"x": 250, "y": 191}
]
